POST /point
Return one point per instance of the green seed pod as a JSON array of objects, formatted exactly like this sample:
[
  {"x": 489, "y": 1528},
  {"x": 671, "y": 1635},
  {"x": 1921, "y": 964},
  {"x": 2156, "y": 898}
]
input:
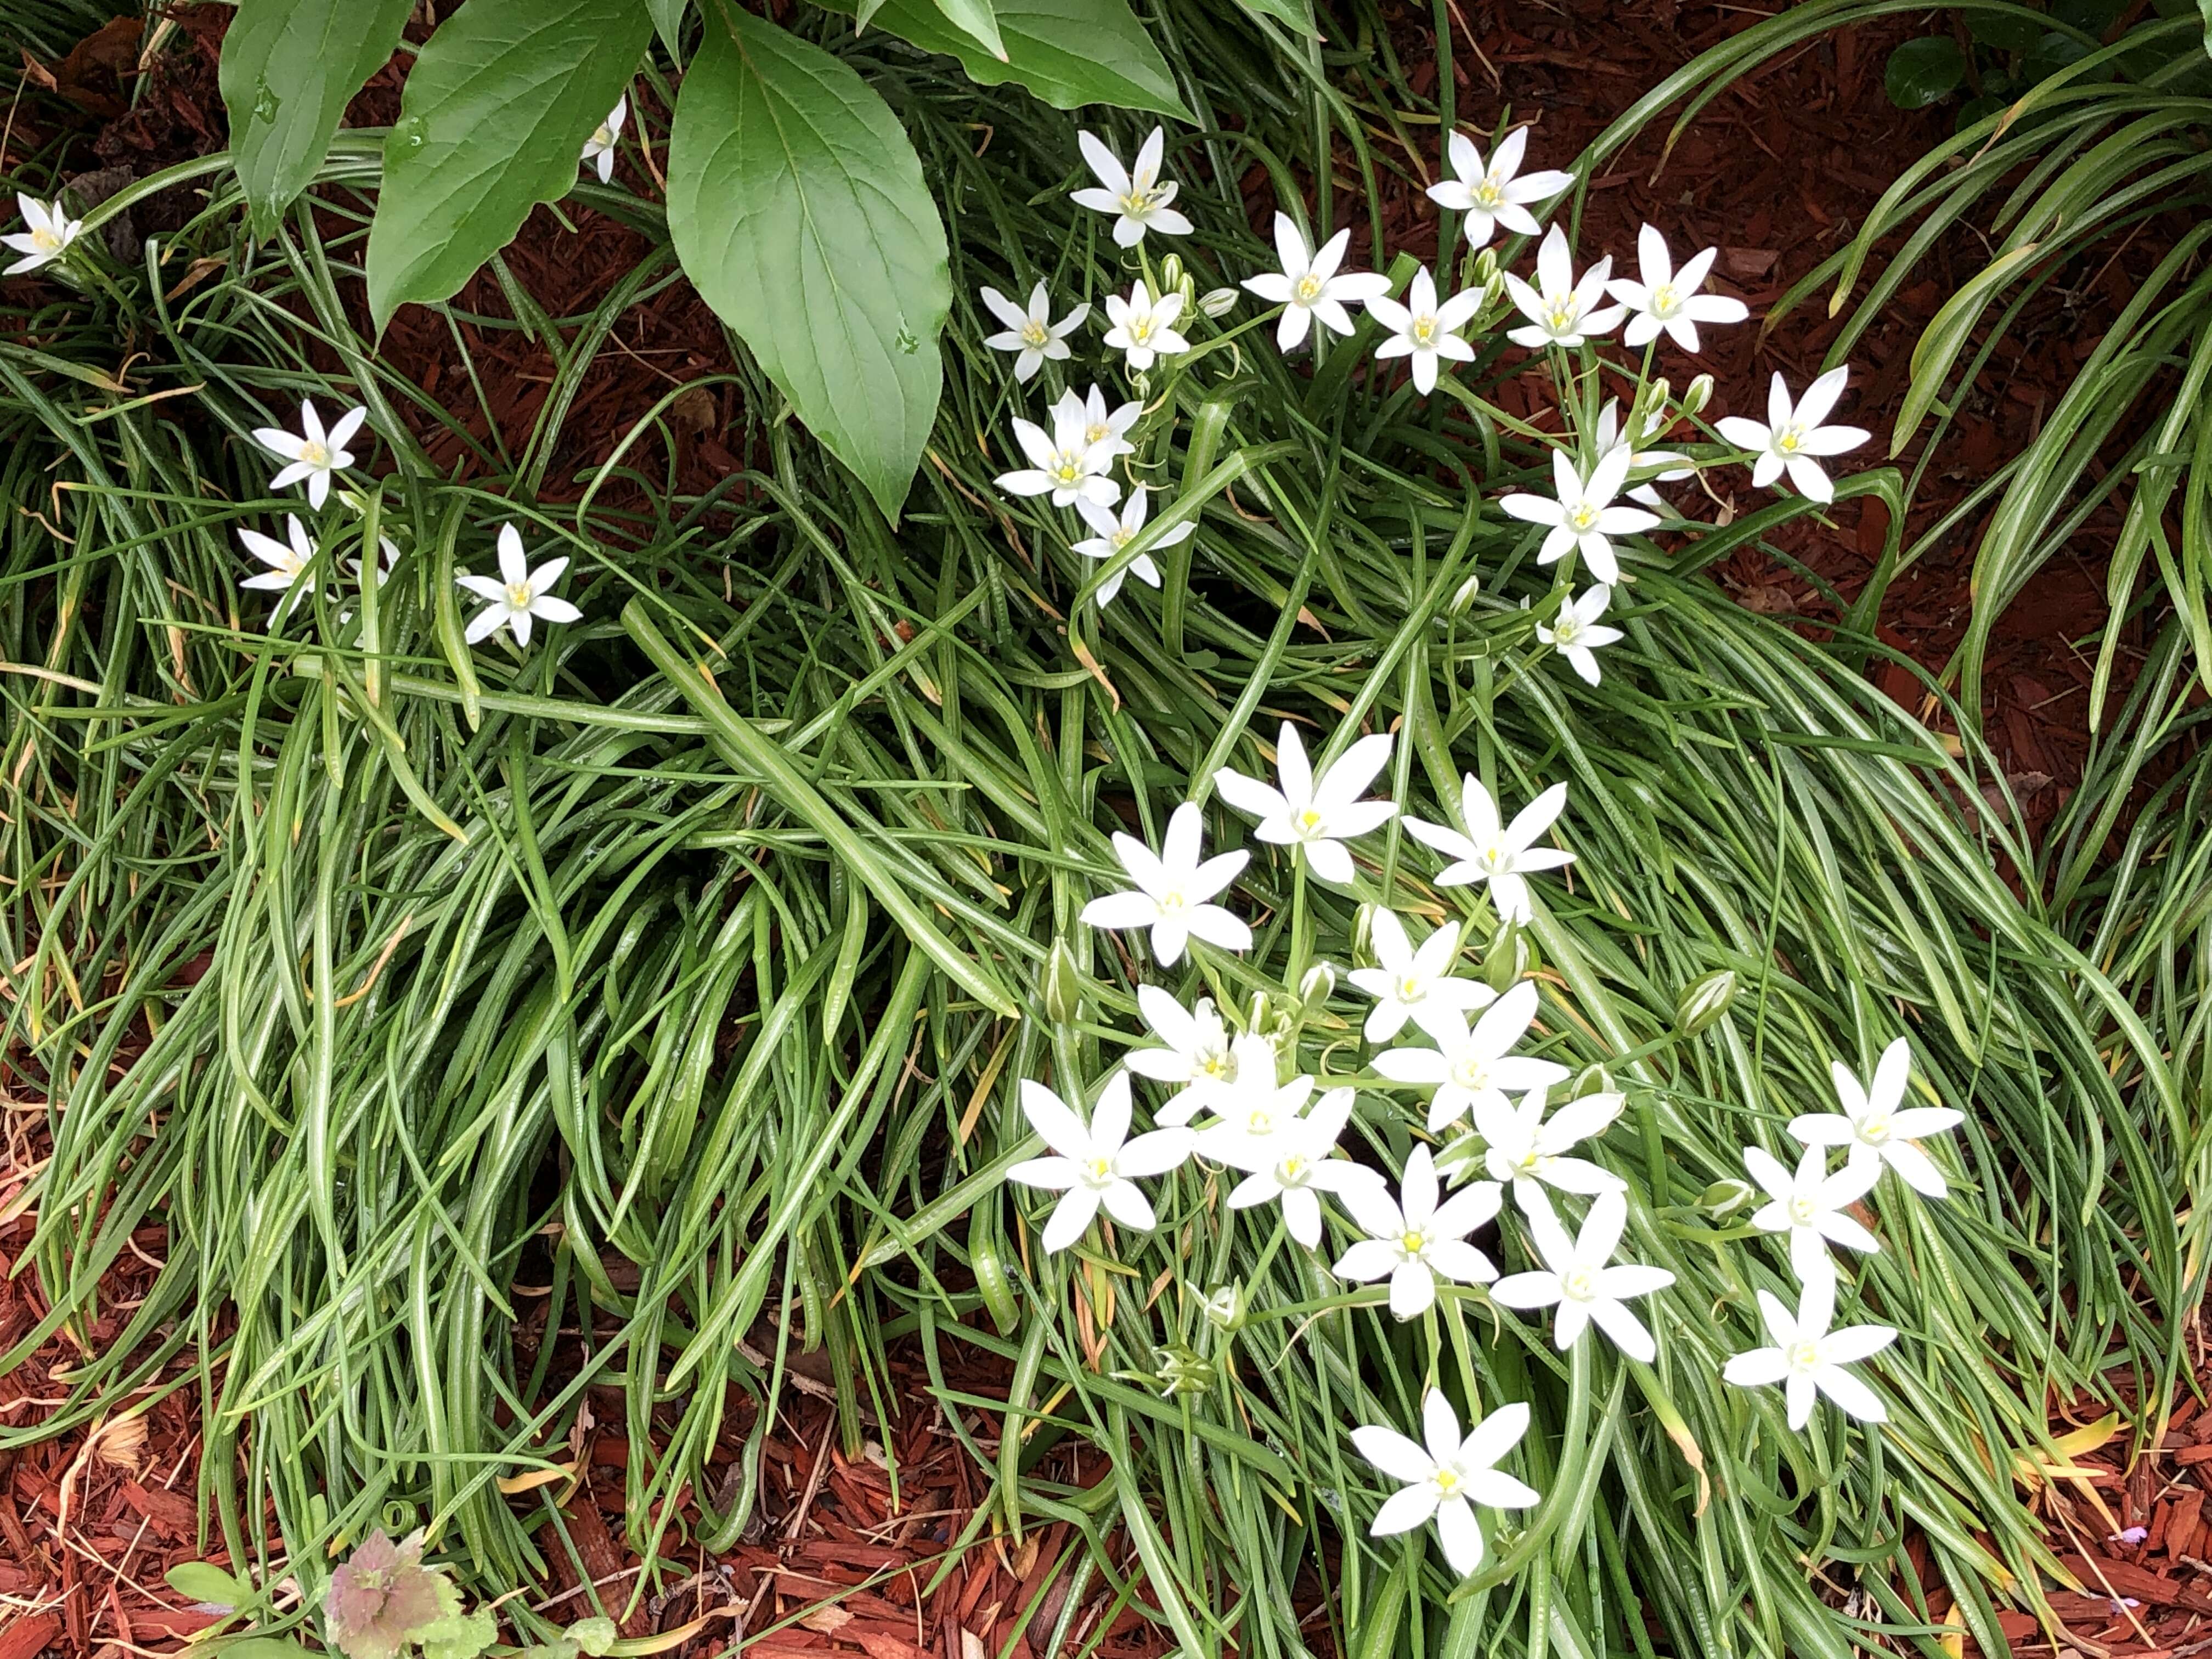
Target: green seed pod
[
  {"x": 1063, "y": 984},
  {"x": 991, "y": 1280},
  {"x": 1704, "y": 1000}
]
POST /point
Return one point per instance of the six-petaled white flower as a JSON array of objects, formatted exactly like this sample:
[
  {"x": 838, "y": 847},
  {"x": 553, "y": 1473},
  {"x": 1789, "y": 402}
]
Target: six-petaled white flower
[
  {"x": 1424, "y": 330},
  {"x": 287, "y": 561},
  {"x": 314, "y": 454},
  {"x": 1194, "y": 1051},
  {"x": 1500, "y": 194},
  {"x": 1102, "y": 428},
  {"x": 1032, "y": 333},
  {"x": 1576, "y": 633},
  {"x": 1808, "y": 1205},
  {"x": 1143, "y": 326},
  {"x": 1446, "y": 1476},
  {"x": 1579, "y": 1278},
  {"x": 1116, "y": 533},
  {"x": 1666, "y": 300},
  {"x": 1310, "y": 286},
  {"x": 49, "y": 231},
  {"x": 1294, "y": 1166},
  {"x": 1317, "y": 814},
  {"x": 1412, "y": 1241},
  {"x": 1640, "y": 459},
  {"x": 1173, "y": 890},
  {"x": 1876, "y": 1127},
  {"x": 1808, "y": 1358},
  {"x": 600, "y": 146},
  {"x": 1139, "y": 197},
  {"x": 1416, "y": 984},
  {"x": 518, "y": 593},
  {"x": 1472, "y": 1067},
  {"x": 1500, "y": 855},
  {"x": 1095, "y": 1164},
  {"x": 1561, "y": 311},
  {"x": 1252, "y": 1119},
  {"x": 1795, "y": 439},
  {"x": 1065, "y": 465},
  {"x": 1582, "y": 513},
  {"x": 1522, "y": 1145}
]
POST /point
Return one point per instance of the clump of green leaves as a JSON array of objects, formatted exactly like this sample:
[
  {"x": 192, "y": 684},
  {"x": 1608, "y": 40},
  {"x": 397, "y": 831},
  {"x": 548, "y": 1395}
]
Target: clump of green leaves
[{"x": 384, "y": 1603}]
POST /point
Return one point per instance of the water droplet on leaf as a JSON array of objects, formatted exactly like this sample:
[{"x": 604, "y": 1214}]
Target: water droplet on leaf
[{"x": 414, "y": 132}]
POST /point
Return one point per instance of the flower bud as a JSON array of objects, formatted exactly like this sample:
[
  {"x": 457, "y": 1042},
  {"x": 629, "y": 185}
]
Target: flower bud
[
  {"x": 1063, "y": 984},
  {"x": 1318, "y": 983},
  {"x": 1485, "y": 266},
  {"x": 1225, "y": 1308},
  {"x": 1697, "y": 394},
  {"x": 1171, "y": 272},
  {"x": 1464, "y": 598},
  {"x": 1219, "y": 301},
  {"x": 1703, "y": 1000},
  {"x": 1362, "y": 932},
  {"x": 1510, "y": 957},
  {"x": 1182, "y": 1370},
  {"x": 1725, "y": 1197}
]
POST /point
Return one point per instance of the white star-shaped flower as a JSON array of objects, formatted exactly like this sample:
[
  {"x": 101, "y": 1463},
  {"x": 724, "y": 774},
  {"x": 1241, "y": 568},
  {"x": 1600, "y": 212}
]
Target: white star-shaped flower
[
  {"x": 1102, "y": 428},
  {"x": 1523, "y": 1146},
  {"x": 1066, "y": 465},
  {"x": 1610, "y": 435},
  {"x": 1251, "y": 1117},
  {"x": 518, "y": 593},
  {"x": 1173, "y": 890},
  {"x": 1560, "y": 310},
  {"x": 1143, "y": 326},
  {"x": 1578, "y": 1277},
  {"x": 600, "y": 146},
  {"x": 1294, "y": 1166},
  {"x": 1139, "y": 197},
  {"x": 1317, "y": 814},
  {"x": 1032, "y": 333},
  {"x": 1808, "y": 1358},
  {"x": 1808, "y": 1206},
  {"x": 1582, "y": 513},
  {"x": 314, "y": 454},
  {"x": 288, "y": 564},
  {"x": 48, "y": 233},
  {"x": 1424, "y": 330},
  {"x": 1503, "y": 856},
  {"x": 1444, "y": 1478},
  {"x": 1576, "y": 633},
  {"x": 1876, "y": 1127},
  {"x": 1416, "y": 984},
  {"x": 1412, "y": 1241},
  {"x": 1310, "y": 286},
  {"x": 1195, "y": 1053},
  {"x": 1493, "y": 196},
  {"x": 1667, "y": 301},
  {"x": 1095, "y": 1164},
  {"x": 1794, "y": 436},
  {"x": 1116, "y": 533},
  {"x": 1471, "y": 1068}
]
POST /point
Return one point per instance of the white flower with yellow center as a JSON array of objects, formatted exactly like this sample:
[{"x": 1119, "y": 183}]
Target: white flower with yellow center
[
  {"x": 1499, "y": 856},
  {"x": 288, "y": 561},
  {"x": 1444, "y": 1478},
  {"x": 1174, "y": 891},
  {"x": 1808, "y": 1359},
  {"x": 1143, "y": 326},
  {"x": 1416, "y": 984},
  {"x": 1104, "y": 430},
  {"x": 1472, "y": 1068},
  {"x": 1582, "y": 513},
  {"x": 1808, "y": 1206},
  {"x": 600, "y": 146},
  {"x": 1877, "y": 1127},
  {"x": 1500, "y": 194},
  {"x": 1195, "y": 1053},
  {"x": 1522, "y": 1145},
  {"x": 518, "y": 593},
  {"x": 46, "y": 236},
  {"x": 314, "y": 453},
  {"x": 1310, "y": 287},
  {"x": 1293, "y": 1164},
  {"x": 1423, "y": 330},
  {"x": 1640, "y": 459},
  {"x": 1031, "y": 333},
  {"x": 1317, "y": 814},
  {"x": 1093, "y": 1164},
  {"x": 1137, "y": 198},
  {"x": 1414, "y": 1242},
  {"x": 1065, "y": 465},
  {"x": 1115, "y": 533},
  {"x": 1561, "y": 310},
  {"x": 1667, "y": 301},
  {"x": 1578, "y": 1277},
  {"x": 1795, "y": 439},
  {"x": 1576, "y": 633}
]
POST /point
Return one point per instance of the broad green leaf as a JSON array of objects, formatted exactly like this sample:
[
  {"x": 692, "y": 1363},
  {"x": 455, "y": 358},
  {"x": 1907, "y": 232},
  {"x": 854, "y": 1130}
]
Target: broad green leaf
[
  {"x": 496, "y": 114},
  {"x": 1069, "y": 52},
  {"x": 1293, "y": 13},
  {"x": 1923, "y": 72},
  {"x": 797, "y": 206},
  {"x": 979, "y": 21},
  {"x": 204, "y": 1582},
  {"x": 2205, "y": 6},
  {"x": 289, "y": 69},
  {"x": 668, "y": 21}
]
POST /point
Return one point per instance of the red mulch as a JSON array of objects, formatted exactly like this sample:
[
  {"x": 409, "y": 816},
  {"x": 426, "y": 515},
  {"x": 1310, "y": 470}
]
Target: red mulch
[{"x": 1777, "y": 172}]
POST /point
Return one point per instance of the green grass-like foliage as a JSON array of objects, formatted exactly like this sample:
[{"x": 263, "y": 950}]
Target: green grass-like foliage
[{"x": 377, "y": 969}]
